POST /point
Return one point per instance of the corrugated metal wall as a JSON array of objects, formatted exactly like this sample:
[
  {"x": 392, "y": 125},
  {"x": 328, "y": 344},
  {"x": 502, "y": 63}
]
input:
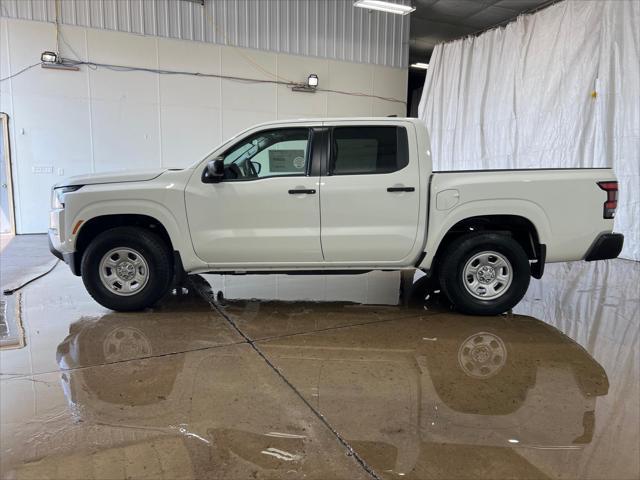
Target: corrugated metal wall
[{"x": 324, "y": 28}]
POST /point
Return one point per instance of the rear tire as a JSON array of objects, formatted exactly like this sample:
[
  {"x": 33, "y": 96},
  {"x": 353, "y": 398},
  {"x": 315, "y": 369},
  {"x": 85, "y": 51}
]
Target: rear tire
[
  {"x": 484, "y": 273},
  {"x": 127, "y": 268}
]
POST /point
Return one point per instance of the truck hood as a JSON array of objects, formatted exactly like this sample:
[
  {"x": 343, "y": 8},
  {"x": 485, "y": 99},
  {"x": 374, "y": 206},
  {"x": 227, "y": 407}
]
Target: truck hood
[{"x": 112, "y": 177}]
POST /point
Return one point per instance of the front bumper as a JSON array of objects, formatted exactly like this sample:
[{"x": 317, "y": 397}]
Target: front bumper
[
  {"x": 67, "y": 257},
  {"x": 607, "y": 245}
]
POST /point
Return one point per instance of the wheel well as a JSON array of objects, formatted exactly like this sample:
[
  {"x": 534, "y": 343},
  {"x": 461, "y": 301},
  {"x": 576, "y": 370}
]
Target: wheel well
[
  {"x": 95, "y": 226},
  {"x": 520, "y": 228}
]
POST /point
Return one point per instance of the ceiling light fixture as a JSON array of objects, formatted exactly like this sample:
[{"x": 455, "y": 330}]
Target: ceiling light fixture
[
  {"x": 420, "y": 65},
  {"x": 382, "y": 6}
]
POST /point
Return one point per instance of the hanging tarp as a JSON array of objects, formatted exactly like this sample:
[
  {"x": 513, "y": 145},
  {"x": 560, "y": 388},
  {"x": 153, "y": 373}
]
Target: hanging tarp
[{"x": 558, "y": 88}]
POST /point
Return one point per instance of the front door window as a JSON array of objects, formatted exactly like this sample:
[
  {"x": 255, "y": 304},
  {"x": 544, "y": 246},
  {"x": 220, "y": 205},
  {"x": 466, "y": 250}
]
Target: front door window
[{"x": 271, "y": 153}]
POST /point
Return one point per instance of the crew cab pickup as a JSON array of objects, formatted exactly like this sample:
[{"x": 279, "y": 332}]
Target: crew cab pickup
[{"x": 331, "y": 196}]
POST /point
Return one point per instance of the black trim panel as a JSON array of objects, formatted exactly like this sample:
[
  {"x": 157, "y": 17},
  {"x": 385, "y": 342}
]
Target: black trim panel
[
  {"x": 607, "y": 245},
  {"x": 309, "y": 191},
  {"x": 319, "y": 152},
  {"x": 537, "y": 268},
  {"x": 517, "y": 170},
  {"x": 52, "y": 249},
  {"x": 296, "y": 272},
  {"x": 401, "y": 189},
  {"x": 68, "y": 258}
]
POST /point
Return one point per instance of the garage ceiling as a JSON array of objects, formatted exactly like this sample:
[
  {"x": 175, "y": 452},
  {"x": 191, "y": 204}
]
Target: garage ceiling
[{"x": 436, "y": 21}]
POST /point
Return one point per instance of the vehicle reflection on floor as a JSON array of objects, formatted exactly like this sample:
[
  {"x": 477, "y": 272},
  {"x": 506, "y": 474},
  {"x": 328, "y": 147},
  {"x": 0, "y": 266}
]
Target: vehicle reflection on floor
[{"x": 398, "y": 391}]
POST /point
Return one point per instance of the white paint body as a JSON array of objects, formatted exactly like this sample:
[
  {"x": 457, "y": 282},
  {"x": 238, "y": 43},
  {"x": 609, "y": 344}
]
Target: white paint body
[{"x": 351, "y": 223}]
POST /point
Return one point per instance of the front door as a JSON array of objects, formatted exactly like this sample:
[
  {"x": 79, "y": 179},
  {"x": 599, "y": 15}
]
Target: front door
[
  {"x": 369, "y": 197},
  {"x": 266, "y": 210}
]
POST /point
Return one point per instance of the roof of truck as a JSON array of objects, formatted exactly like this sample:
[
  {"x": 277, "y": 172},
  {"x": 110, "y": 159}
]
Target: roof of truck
[{"x": 341, "y": 119}]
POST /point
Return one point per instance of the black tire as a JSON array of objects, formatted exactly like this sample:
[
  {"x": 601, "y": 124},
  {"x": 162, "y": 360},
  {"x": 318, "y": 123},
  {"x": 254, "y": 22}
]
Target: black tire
[
  {"x": 154, "y": 251},
  {"x": 461, "y": 250}
]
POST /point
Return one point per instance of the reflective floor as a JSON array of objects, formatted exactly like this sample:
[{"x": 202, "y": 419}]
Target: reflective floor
[{"x": 206, "y": 386}]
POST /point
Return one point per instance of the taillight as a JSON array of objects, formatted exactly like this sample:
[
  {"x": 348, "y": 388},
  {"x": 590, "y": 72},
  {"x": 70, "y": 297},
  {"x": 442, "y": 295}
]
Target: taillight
[{"x": 612, "y": 198}]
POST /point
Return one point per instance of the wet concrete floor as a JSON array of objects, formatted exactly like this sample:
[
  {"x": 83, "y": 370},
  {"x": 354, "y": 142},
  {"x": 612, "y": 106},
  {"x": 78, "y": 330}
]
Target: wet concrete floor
[
  {"x": 22, "y": 258},
  {"x": 210, "y": 387}
]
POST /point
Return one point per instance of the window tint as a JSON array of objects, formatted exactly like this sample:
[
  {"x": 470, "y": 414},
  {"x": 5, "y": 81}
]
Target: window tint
[
  {"x": 267, "y": 154},
  {"x": 365, "y": 150}
]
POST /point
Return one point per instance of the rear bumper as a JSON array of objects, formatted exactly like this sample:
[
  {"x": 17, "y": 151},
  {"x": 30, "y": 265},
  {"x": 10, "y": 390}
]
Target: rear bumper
[
  {"x": 66, "y": 257},
  {"x": 607, "y": 245}
]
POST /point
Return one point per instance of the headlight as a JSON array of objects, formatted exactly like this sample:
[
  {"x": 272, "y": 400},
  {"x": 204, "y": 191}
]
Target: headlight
[{"x": 57, "y": 196}]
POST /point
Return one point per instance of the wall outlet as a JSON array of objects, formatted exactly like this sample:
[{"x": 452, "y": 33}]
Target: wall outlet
[{"x": 40, "y": 169}]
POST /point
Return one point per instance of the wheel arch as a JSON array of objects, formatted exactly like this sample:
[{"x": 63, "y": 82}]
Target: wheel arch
[
  {"x": 521, "y": 228},
  {"x": 93, "y": 227}
]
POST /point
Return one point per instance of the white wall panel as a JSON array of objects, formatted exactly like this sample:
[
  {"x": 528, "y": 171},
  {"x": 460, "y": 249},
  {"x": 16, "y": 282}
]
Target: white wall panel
[
  {"x": 96, "y": 120},
  {"x": 189, "y": 90},
  {"x": 249, "y": 96},
  {"x": 350, "y": 77},
  {"x": 50, "y": 125},
  {"x": 125, "y": 135},
  {"x": 188, "y": 133},
  {"x": 389, "y": 83},
  {"x": 326, "y": 28}
]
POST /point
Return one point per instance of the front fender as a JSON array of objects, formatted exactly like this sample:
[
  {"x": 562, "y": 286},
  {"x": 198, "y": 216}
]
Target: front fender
[{"x": 176, "y": 228}]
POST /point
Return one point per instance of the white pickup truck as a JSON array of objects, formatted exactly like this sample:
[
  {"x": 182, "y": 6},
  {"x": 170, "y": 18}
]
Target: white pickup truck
[{"x": 331, "y": 196}]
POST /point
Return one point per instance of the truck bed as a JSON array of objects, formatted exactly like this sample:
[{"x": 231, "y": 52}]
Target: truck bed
[{"x": 565, "y": 205}]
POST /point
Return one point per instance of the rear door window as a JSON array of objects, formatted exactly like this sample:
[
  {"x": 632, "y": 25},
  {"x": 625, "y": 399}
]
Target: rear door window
[{"x": 368, "y": 150}]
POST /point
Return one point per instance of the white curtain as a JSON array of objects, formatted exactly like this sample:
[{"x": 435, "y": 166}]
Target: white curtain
[{"x": 559, "y": 88}]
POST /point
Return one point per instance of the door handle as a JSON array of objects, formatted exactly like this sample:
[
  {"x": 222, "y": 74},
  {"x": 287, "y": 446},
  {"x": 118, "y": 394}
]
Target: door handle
[
  {"x": 299, "y": 191},
  {"x": 401, "y": 189}
]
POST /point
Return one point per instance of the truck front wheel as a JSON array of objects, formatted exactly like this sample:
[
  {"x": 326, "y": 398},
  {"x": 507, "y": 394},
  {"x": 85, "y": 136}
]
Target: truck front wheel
[
  {"x": 484, "y": 273},
  {"x": 127, "y": 268}
]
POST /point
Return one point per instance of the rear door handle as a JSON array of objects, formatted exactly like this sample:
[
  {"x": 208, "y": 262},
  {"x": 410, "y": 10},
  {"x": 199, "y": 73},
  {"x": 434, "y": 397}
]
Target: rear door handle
[
  {"x": 299, "y": 191},
  {"x": 401, "y": 189}
]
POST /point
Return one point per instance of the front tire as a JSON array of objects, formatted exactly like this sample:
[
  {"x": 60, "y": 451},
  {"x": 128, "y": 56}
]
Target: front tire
[
  {"x": 484, "y": 273},
  {"x": 127, "y": 268}
]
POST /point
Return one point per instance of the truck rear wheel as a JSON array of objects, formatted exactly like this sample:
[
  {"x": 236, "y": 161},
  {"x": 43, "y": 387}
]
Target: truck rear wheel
[
  {"x": 484, "y": 273},
  {"x": 127, "y": 268}
]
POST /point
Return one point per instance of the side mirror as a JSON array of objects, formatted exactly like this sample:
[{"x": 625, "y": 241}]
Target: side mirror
[{"x": 214, "y": 171}]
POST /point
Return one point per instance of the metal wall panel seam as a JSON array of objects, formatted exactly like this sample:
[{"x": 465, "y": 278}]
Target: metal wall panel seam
[{"x": 90, "y": 102}]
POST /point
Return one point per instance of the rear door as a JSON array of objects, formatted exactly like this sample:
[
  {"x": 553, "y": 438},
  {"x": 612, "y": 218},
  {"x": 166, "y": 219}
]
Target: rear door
[{"x": 369, "y": 194}]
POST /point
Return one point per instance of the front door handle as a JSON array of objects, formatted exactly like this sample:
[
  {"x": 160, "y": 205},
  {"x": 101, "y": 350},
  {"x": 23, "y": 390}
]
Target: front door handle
[
  {"x": 302, "y": 190},
  {"x": 401, "y": 189}
]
